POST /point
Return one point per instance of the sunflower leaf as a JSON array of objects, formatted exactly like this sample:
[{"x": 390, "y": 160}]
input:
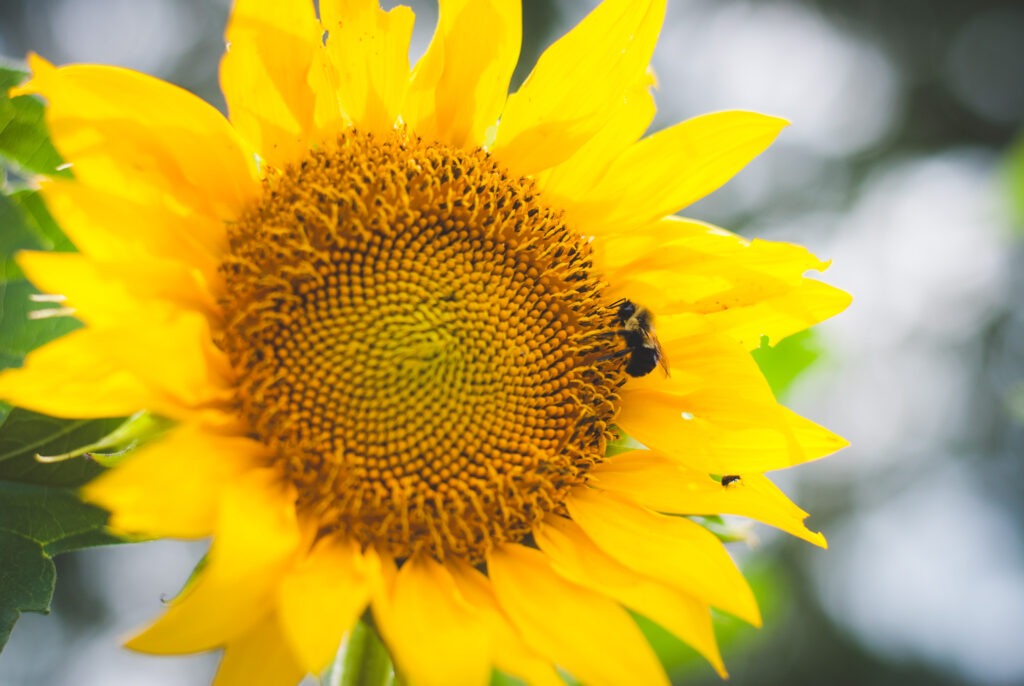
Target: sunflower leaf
[
  {"x": 623, "y": 444},
  {"x": 25, "y": 223},
  {"x": 21, "y": 333},
  {"x": 15, "y": 234},
  {"x": 783, "y": 362},
  {"x": 39, "y": 221},
  {"x": 24, "y": 139},
  {"x": 112, "y": 447},
  {"x": 25, "y": 434},
  {"x": 36, "y": 523},
  {"x": 362, "y": 660}
]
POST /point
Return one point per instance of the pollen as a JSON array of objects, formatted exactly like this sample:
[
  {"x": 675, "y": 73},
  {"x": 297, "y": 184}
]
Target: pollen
[{"x": 421, "y": 342}]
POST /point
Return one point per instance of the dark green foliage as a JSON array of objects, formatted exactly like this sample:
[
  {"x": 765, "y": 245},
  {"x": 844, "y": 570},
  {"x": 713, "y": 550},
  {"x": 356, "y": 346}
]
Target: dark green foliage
[
  {"x": 40, "y": 514},
  {"x": 24, "y": 141},
  {"x": 36, "y": 523}
]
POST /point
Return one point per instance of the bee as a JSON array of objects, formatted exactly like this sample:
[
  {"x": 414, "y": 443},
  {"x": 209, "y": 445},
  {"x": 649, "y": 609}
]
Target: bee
[
  {"x": 641, "y": 344},
  {"x": 729, "y": 479}
]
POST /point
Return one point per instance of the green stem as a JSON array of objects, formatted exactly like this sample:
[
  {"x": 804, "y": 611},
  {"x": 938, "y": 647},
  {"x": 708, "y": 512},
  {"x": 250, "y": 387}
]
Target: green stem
[{"x": 362, "y": 660}]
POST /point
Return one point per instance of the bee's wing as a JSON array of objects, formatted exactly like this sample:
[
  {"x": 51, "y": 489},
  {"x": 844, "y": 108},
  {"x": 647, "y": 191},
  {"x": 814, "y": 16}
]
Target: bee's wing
[
  {"x": 662, "y": 357},
  {"x": 653, "y": 342}
]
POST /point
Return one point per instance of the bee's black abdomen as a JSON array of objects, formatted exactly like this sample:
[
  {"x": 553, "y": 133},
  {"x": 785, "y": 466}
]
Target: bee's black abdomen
[
  {"x": 729, "y": 479},
  {"x": 634, "y": 339},
  {"x": 642, "y": 361}
]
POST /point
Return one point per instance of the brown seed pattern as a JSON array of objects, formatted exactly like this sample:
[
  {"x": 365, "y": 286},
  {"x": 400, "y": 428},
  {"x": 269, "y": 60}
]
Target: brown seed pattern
[{"x": 421, "y": 341}]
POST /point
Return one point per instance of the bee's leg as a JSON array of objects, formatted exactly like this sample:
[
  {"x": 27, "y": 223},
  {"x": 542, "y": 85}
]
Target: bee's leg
[
  {"x": 616, "y": 355},
  {"x": 606, "y": 334}
]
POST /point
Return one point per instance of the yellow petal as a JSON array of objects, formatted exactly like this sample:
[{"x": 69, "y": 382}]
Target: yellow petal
[
  {"x": 259, "y": 657},
  {"x": 578, "y": 559},
  {"x": 511, "y": 654},
  {"x": 574, "y": 177},
  {"x": 657, "y": 482},
  {"x": 328, "y": 118},
  {"x": 743, "y": 288},
  {"x": 459, "y": 85},
  {"x": 172, "y": 351},
  {"x": 782, "y": 315},
  {"x": 814, "y": 440},
  {"x": 723, "y": 440},
  {"x": 578, "y": 84},
  {"x": 626, "y": 254},
  {"x": 256, "y": 537},
  {"x": 272, "y": 76},
  {"x": 433, "y": 633},
  {"x": 173, "y": 486},
  {"x": 162, "y": 360},
  {"x": 321, "y": 598},
  {"x": 664, "y": 173},
  {"x": 585, "y": 632},
  {"x": 674, "y": 243},
  {"x": 716, "y": 413},
  {"x": 146, "y": 138},
  {"x": 107, "y": 226},
  {"x": 76, "y": 377},
  {"x": 369, "y": 49},
  {"x": 109, "y": 293},
  {"x": 673, "y": 550}
]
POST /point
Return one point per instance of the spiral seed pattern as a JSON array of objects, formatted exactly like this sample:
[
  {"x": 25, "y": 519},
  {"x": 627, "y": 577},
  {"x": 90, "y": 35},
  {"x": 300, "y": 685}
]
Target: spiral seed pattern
[{"x": 422, "y": 343}]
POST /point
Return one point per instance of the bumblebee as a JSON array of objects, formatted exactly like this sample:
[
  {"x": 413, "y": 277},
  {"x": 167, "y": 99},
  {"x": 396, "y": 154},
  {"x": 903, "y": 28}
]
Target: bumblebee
[
  {"x": 642, "y": 345},
  {"x": 729, "y": 479}
]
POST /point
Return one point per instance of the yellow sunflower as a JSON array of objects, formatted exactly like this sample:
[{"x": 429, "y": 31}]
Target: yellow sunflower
[{"x": 398, "y": 315}]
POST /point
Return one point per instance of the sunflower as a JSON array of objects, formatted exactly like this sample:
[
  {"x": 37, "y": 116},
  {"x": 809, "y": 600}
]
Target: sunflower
[{"x": 399, "y": 317}]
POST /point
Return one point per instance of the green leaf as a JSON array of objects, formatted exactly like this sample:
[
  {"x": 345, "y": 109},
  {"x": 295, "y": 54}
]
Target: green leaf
[
  {"x": 111, "y": 448},
  {"x": 27, "y": 578},
  {"x": 19, "y": 333},
  {"x": 25, "y": 223},
  {"x": 26, "y": 469},
  {"x": 622, "y": 444},
  {"x": 26, "y": 434},
  {"x": 362, "y": 660},
  {"x": 11, "y": 75},
  {"x": 40, "y": 222},
  {"x": 36, "y": 523},
  {"x": 15, "y": 234},
  {"x": 39, "y": 516},
  {"x": 24, "y": 139},
  {"x": 782, "y": 363}
]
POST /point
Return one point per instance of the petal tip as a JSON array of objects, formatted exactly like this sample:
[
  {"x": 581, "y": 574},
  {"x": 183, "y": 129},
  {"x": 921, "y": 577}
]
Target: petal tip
[{"x": 38, "y": 66}]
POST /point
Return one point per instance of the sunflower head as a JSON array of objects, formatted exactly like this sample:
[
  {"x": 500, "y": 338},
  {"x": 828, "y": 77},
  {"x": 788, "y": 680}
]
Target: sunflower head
[
  {"x": 402, "y": 315},
  {"x": 422, "y": 343}
]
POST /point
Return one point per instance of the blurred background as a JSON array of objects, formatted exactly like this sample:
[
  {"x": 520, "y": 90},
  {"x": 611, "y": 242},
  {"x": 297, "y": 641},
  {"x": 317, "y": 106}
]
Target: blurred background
[{"x": 900, "y": 165}]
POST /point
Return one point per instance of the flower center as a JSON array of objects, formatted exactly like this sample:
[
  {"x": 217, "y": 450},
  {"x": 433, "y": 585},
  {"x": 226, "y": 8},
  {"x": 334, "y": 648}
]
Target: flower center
[{"x": 421, "y": 342}]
